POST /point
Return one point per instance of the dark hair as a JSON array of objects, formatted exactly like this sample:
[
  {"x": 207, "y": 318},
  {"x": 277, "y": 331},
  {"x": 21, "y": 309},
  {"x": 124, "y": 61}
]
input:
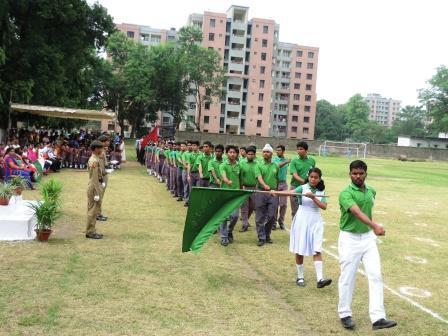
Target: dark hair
[
  {"x": 358, "y": 164},
  {"x": 197, "y": 143},
  {"x": 188, "y": 142},
  {"x": 321, "y": 185},
  {"x": 302, "y": 144},
  {"x": 221, "y": 147},
  {"x": 244, "y": 148},
  {"x": 251, "y": 149},
  {"x": 8, "y": 150},
  {"x": 182, "y": 143},
  {"x": 229, "y": 147},
  {"x": 281, "y": 147},
  {"x": 208, "y": 143}
]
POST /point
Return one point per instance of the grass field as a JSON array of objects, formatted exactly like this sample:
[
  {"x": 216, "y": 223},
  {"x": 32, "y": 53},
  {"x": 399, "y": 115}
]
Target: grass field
[{"x": 136, "y": 281}]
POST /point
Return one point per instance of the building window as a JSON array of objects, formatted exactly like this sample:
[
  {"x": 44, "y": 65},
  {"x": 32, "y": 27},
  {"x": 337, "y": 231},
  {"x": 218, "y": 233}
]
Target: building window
[
  {"x": 299, "y": 53},
  {"x": 206, "y": 119},
  {"x": 260, "y": 109},
  {"x": 309, "y": 76},
  {"x": 259, "y": 123},
  {"x": 211, "y": 36},
  {"x": 294, "y": 129},
  {"x": 212, "y": 23},
  {"x": 262, "y": 69},
  {"x": 263, "y": 56},
  {"x": 111, "y": 127},
  {"x": 264, "y": 43},
  {"x": 310, "y": 65},
  {"x": 306, "y": 130},
  {"x": 307, "y": 108},
  {"x": 298, "y": 64},
  {"x": 310, "y": 54},
  {"x": 296, "y": 86},
  {"x": 207, "y": 105},
  {"x": 295, "y": 118},
  {"x": 298, "y": 75},
  {"x": 192, "y": 106},
  {"x": 308, "y": 87},
  {"x": 261, "y": 83},
  {"x": 296, "y": 96},
  {"x": 307, "y": 98},
  {"x": 130, "y": 34},
  {"x": 260, "y": 96},
  {"x": 265, "y": 29},
  {"x": 295, "y": 108},
  {"x": 306, "y": 119}
]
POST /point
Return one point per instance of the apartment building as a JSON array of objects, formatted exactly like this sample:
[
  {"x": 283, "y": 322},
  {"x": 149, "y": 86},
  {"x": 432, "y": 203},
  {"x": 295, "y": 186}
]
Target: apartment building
[
  {"x": 382, "y": 110},
  {"x": 271, "y": 85}
]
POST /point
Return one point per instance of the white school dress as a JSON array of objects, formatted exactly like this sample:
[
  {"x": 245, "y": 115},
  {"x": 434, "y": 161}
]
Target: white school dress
[{"x": 307, "y": 228}]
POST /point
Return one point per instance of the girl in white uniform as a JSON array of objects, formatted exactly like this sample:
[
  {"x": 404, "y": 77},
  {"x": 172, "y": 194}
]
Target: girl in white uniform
[{"x": 308, "y": 227}]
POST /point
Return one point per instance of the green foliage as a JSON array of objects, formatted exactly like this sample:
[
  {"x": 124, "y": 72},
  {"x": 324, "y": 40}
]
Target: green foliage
[
  {"x": 435, "y": 98},
  {"x": 47, "y": 212},
  {"x": 330, "y": 122},
  {"x": 356, "y": 116},
  {"x": 18, "y": 182},
  {"x": 6, "y": 190},
  {"x": 410, "y": 122},
  {"x": 51, "y": 191}
]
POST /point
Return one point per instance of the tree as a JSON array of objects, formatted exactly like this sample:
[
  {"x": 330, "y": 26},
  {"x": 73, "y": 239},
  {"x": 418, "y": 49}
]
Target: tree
[
  {"x": 357, "y": 117},
  {"x": 410, "y": 122},
  {"x": 330, "y": 124},
  {"x": 204, "y": 75},
  {"x": 435, "y": 98},
  {"x": 43, "y": 58}
]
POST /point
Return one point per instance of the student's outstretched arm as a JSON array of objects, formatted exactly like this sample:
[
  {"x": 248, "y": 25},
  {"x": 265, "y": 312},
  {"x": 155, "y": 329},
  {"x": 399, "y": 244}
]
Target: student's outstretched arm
[{"x": 378, "y": 229}]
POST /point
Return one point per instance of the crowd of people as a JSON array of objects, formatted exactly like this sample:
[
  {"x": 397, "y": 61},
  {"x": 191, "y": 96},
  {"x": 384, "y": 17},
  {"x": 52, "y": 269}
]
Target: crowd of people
[
  {"x": 186, "y": 164},
  {"x": 32, "y": 153}
]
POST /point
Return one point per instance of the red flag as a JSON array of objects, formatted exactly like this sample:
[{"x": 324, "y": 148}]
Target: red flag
[{"x": 152, "y": 136}]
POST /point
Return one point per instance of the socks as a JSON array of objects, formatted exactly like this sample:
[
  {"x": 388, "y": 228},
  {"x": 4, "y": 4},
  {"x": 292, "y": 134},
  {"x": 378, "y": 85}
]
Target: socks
[
  {"x": 300, "y": 271},
  {"x": 319, "y": 272}
]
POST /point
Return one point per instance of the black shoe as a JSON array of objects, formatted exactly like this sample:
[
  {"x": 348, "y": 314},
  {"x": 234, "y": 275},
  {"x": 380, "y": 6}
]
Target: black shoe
[
  {"x": 180, "y": 199},
  {"x": 323, "y": 283},
  {"x": 282, "y": 227},
  {"x": 383, "y": 324},
  {"x": 269, "y": 240},
  {"x": 244, "y": 229},
  {"x": 230, "y": 235},
  {"x": 186, "y": 204},
  {"x": 274, "y": 227},
  {"x": 94, "y": 236},
  {"x": 224, "y": 242},
  {"x": 261, "y": 242},
  {"x": 347, "y": 322},
  {"x": 101, "y": 218},
  {"x": 300, "y": 282}
]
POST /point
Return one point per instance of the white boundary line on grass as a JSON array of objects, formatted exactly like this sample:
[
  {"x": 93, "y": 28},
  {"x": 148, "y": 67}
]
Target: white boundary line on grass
[{"x": 393, "y": 291}]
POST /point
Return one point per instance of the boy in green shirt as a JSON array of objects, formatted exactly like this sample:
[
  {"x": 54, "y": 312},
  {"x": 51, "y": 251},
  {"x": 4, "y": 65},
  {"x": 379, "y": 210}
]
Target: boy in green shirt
[
  {"x": 213, "y": 167},
  {"x": 283, "y": 164},
  {"x": 231, "y": 179},
  {"x": 267, "y": 174},
  {"x": 202, "y": 163},
  {"x": 357, "y": 241},
  {"x": 299, "y": 168},
  {"x": 192, "y": 168},
  {"x": 249, "y": 180}
]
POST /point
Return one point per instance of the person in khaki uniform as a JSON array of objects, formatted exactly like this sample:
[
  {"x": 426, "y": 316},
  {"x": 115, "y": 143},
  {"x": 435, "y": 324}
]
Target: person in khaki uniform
[
  {"x": 104, "y": 139},
  {"x": 94, "y": 190}
]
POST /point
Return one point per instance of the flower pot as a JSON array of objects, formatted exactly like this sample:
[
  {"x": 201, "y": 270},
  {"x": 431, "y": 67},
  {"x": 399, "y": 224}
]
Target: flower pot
[
  {"x": 18, "y": 191},
  {"x": 4, "y": 201},
  {"x": 43, "y": 235}
]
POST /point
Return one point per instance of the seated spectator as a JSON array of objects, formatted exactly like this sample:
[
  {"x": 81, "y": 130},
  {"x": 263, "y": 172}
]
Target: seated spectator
[{"x": 15, "y": 166}]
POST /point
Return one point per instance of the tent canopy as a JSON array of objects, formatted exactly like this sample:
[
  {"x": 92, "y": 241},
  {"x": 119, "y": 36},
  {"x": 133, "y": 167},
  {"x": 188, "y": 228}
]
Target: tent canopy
[{"x": 62, "y": 112}]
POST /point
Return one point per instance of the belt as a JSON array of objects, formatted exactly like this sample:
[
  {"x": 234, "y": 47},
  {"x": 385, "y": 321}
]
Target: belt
[{"x": 249, "y": 186}]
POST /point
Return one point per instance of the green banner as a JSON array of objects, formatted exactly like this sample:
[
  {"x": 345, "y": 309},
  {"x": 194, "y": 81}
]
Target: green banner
[{"x": 207, "y": 209}]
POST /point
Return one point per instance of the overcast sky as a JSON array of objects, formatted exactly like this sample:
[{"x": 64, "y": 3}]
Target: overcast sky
[{"x": 391, "y": 47}]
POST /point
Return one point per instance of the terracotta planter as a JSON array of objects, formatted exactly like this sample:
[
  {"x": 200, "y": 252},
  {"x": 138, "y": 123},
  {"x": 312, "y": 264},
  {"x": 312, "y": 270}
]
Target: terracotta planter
[
  {"x": 4, "y": 201},
  {"x": 43, "y": 235},
  {"x": 19, "y": 191}
]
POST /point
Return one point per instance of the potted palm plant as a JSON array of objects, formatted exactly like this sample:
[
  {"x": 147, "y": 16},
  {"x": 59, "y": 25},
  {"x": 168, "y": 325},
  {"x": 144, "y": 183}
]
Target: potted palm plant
[
  {"x": 6, "y": 191},
  {"x": 51, "y": 190},
  {"x": 18, "y": 184},
  {"x": 46, "y": 212}
]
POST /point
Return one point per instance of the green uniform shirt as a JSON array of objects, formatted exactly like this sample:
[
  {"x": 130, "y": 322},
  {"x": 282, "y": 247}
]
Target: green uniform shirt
[
  {"x": 232, "y": 173},
  {"x": 167, "y": 153},
  {"x": 301, "y": 167},
  {"x": 283, "y": 170},
  {"x": 350, "y": 196},
  {"x": 269, "y": 172},
  {"x": 192, "y": 160},
  {"x": 179, "y": 155},
  {"x": 173, "y": 156},
  {"x": 248, "y": 173},
  {"x": 204, "y": 159},
  {"x": 299, "y": 190},
  {"x": 214, "y": 165}
]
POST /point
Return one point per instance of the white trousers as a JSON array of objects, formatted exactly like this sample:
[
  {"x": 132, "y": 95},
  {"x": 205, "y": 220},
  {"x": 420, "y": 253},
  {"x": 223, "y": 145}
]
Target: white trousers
[{"x": 354, "y": 248}]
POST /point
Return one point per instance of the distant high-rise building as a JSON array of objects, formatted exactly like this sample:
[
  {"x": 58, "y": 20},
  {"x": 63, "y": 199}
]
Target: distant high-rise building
[
  {"x": 383, "y": 110},
  {"x": 271, "y": 85}
]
